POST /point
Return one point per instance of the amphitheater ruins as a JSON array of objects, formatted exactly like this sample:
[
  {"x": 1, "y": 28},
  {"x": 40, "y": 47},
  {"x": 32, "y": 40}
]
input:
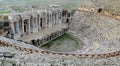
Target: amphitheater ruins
[
  {"x": 97, "y": 30},
  {"x": 21, "y": 26}
]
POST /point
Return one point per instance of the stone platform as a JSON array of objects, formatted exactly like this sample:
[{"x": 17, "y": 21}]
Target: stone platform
[{"x": 40, "y": 34}]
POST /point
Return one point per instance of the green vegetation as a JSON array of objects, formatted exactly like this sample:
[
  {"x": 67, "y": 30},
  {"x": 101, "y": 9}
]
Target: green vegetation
[
  {"x": 17, "y": 8},
  {"x": 5, "y": 12},
  {"x": 17, "y": 5}
]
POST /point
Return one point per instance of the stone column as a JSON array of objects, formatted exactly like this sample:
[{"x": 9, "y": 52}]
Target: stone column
[
  {"x": 18, "y": 27},
  {"x": 32, "y": 26},
  {"x": 12, "y": 27},
  {"x": 23, "y": 26},
  {"x": 43, "y": 20},
  {"x": 61, "y": 17},
  {"x": 46, "y": 21},
  {"x": 29, "y": 29},
  {"x": 57, "y": 17},
  {"x": 54, "y": 20},
  {"x": 51, "y": 19},
  {"x": 39, "y": 23},
  {"x": 12, "y": 30},
  {"x": 36, "y": 23}
]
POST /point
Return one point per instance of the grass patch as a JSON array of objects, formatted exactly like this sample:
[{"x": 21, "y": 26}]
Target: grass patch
[
  {"x": 5, "y": 12},
  {"x": 70, "y": 8}
]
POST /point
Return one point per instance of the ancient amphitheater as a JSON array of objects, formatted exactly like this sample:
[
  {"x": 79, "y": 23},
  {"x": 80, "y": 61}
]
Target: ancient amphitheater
[{"x": 98, "y": 32}]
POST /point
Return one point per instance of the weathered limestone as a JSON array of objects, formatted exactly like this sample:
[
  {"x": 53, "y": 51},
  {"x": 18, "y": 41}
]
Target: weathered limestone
[{"x": 35, "y": 20}]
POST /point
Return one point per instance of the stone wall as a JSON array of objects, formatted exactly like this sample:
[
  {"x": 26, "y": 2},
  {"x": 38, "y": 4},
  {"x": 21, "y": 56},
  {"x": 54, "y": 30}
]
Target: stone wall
[
  {"x": 32, "y": 49},
  {"x": 48, "y": 38}
]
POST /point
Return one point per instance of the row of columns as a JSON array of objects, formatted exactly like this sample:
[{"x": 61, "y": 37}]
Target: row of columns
[{"x": 36, "y": 23}]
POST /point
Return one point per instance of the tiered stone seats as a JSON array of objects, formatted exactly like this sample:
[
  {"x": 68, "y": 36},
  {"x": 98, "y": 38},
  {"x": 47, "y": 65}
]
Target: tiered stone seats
[{"x": 100, "y": 31}]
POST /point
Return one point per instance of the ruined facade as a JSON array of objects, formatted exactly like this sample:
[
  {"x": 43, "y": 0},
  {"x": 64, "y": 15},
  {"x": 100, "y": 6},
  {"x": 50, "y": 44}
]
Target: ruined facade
[
  {"x": 35, "y": 20},
  {"x": 4, "y": 25}
]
